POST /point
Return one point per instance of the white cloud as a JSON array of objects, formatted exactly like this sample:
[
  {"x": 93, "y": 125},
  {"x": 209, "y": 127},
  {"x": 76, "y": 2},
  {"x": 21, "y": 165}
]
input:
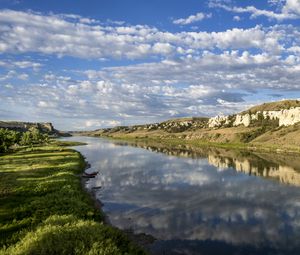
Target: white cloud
[
  {"x": 95, "y": 123},
  {"x": 132, "y": 94},
  {"x": 237, "y": 18},
  {"x": 292, "y": 6},
  {"x": 192, "y": 18},
  {"x": 23, "y": 76},
  {"x": 12, "y": 74},
  {"x": 27, "y": 64},
  {"x": 277, "y": 3},
  {"x": 163, "y": 48},
  {"x": 290, "y": 10},
  {"x": 53, "y": 34},
  {"x": 185, "y": 73},
  {"x": 42, "y": 104},
  {"x": 23, "y": 32},
  {"x": 10, "y": 64},
  {"x": 294, "y": 49}
]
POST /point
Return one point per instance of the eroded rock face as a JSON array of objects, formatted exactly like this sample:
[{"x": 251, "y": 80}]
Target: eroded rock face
[
  {"x": 285, "y": 117},
  {"x": 218, "y": 121},
  {"x": 242, "y": 120},
  {"x": 47, "y": 126}
]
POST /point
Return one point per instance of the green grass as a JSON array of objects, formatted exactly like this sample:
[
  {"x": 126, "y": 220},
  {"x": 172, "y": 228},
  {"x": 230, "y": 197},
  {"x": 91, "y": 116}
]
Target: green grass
[
  {"x": 66, "y": 143},
  {"x": 175, "y": 141},
  {"x": 44, "y": 210}
]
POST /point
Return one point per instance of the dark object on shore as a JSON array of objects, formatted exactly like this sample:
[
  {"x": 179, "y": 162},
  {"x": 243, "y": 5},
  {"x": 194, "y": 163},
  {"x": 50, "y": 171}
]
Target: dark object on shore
[
  {"x": 96, "y": 187},
  {"x": 91, "y": 175}
]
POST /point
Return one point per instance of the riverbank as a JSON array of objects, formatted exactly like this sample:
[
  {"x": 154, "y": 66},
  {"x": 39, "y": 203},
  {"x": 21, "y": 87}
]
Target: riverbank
[
  {"x": 44, "y": 209},
  {"x": 193, "y": 144},
  {"x": 166, "y": 193}
]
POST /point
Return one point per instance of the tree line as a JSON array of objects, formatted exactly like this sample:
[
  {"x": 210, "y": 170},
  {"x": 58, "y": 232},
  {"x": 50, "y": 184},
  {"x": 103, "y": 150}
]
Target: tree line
[{"x": 10, "y": 138}]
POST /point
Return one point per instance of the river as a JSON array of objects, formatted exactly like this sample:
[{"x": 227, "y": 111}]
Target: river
[{"x": 204, "y": 201}]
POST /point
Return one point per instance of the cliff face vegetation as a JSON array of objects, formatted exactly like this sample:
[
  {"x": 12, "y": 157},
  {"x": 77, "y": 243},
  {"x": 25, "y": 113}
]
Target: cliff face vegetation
[{"x": 272, "y": 124}]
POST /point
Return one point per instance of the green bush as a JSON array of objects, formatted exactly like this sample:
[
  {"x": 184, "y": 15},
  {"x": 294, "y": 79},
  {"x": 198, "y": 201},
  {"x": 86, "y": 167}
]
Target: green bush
[
  {"x": 8, "y": 138},
  {"x": 265, "y": 122},
  {"x": 249, "y": 136},
  {"x": 67, "y": 234}
]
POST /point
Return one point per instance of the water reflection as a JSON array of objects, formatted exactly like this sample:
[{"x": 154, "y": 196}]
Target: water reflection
[
  {"x": 206, "y": 201},
  {"x": 284, "y": 168}
]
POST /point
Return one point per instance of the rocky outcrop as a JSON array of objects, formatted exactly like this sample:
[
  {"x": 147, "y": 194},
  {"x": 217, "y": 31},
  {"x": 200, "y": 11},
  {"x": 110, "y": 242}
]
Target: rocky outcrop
[
  {"x": 218, "y": 121},
  {"x": 286, "y": 117},
  {"x": 243, "y": 119},
  {"x": 44, "y": 127}
]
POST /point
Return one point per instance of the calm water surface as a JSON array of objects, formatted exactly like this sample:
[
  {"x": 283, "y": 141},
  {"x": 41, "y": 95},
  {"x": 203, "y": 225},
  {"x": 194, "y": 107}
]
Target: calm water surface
[{"x": 208, "y": 201}]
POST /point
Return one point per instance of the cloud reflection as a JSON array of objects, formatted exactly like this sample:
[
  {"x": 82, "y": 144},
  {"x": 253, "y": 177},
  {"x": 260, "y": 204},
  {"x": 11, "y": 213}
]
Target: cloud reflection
[{"x": 208, "y": 195}]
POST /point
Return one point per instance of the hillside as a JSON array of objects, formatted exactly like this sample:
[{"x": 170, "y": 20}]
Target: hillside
[
  {"x": 275, "y": 124},
  {"x": 273, "y": 106}
]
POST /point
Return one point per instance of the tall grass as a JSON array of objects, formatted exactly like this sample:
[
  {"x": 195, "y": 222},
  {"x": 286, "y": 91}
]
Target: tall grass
[{"x": 43, "y": 209}]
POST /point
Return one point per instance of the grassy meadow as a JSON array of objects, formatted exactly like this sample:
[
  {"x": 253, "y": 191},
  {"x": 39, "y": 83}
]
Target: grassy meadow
[{"x": 44, "y": 210}]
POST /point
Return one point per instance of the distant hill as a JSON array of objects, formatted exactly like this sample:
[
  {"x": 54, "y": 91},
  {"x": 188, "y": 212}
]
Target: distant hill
[
  {"x": 170, "y": 126},
  {"x": 264, "y": 124},
  {"x": 44, "y": 127}
]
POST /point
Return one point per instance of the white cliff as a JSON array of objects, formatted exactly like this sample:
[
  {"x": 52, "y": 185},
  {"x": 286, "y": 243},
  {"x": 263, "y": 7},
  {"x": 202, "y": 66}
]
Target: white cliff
[
  {"x": 242, "y": 120},
  {"x": 218, "y": 121},
  {"x": 285, "y": 117}
]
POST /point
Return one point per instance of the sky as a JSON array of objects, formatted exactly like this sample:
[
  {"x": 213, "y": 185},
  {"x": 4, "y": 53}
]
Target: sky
[{"x": 84, "y": 65}]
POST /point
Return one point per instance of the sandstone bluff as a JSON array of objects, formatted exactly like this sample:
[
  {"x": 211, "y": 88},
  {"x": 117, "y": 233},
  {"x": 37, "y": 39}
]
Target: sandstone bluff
[{"x": 285, "y": 117}]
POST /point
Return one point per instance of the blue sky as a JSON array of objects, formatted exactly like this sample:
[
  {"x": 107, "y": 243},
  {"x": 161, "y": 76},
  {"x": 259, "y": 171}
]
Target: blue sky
[{"x": 94, "y": 64}]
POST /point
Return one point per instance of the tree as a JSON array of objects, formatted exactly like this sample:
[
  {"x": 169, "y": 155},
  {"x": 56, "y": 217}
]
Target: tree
[
  {"x": 8, "y": 138},
  {"x": 36, "y": 135},
  {"x": 26, "y": 138}
]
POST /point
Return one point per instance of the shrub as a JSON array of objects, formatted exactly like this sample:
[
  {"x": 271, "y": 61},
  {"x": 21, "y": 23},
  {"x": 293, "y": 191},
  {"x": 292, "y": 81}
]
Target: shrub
[
  {"x": 9, "y": 138},
  {"x": 249, "y": 136},
  {"x": 67, "y": 234}
]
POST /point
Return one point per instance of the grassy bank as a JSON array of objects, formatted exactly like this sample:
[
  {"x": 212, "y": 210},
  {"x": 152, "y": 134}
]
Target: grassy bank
[
  {"x": 44, "y": 209},
  {"x": 198, "y": 143}
]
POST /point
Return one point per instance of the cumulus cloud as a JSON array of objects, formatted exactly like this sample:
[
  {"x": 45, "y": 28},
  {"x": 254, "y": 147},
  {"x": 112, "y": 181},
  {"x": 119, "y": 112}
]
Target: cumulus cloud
[
  {"x": 178, "y": 73},
  {"x": 13, "y": 75},
  {"x": 292, "y": 6},
  {"x": 236, "y": 18},
  {"x": 199, "y": 86},
  {"x": 25, "y": 32},
  {"x": 24, "y": 64},
  {"x": 290, "y": 9},
  {"x": 192, "y": 18},
  {"x": 100, "y": 123}
]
